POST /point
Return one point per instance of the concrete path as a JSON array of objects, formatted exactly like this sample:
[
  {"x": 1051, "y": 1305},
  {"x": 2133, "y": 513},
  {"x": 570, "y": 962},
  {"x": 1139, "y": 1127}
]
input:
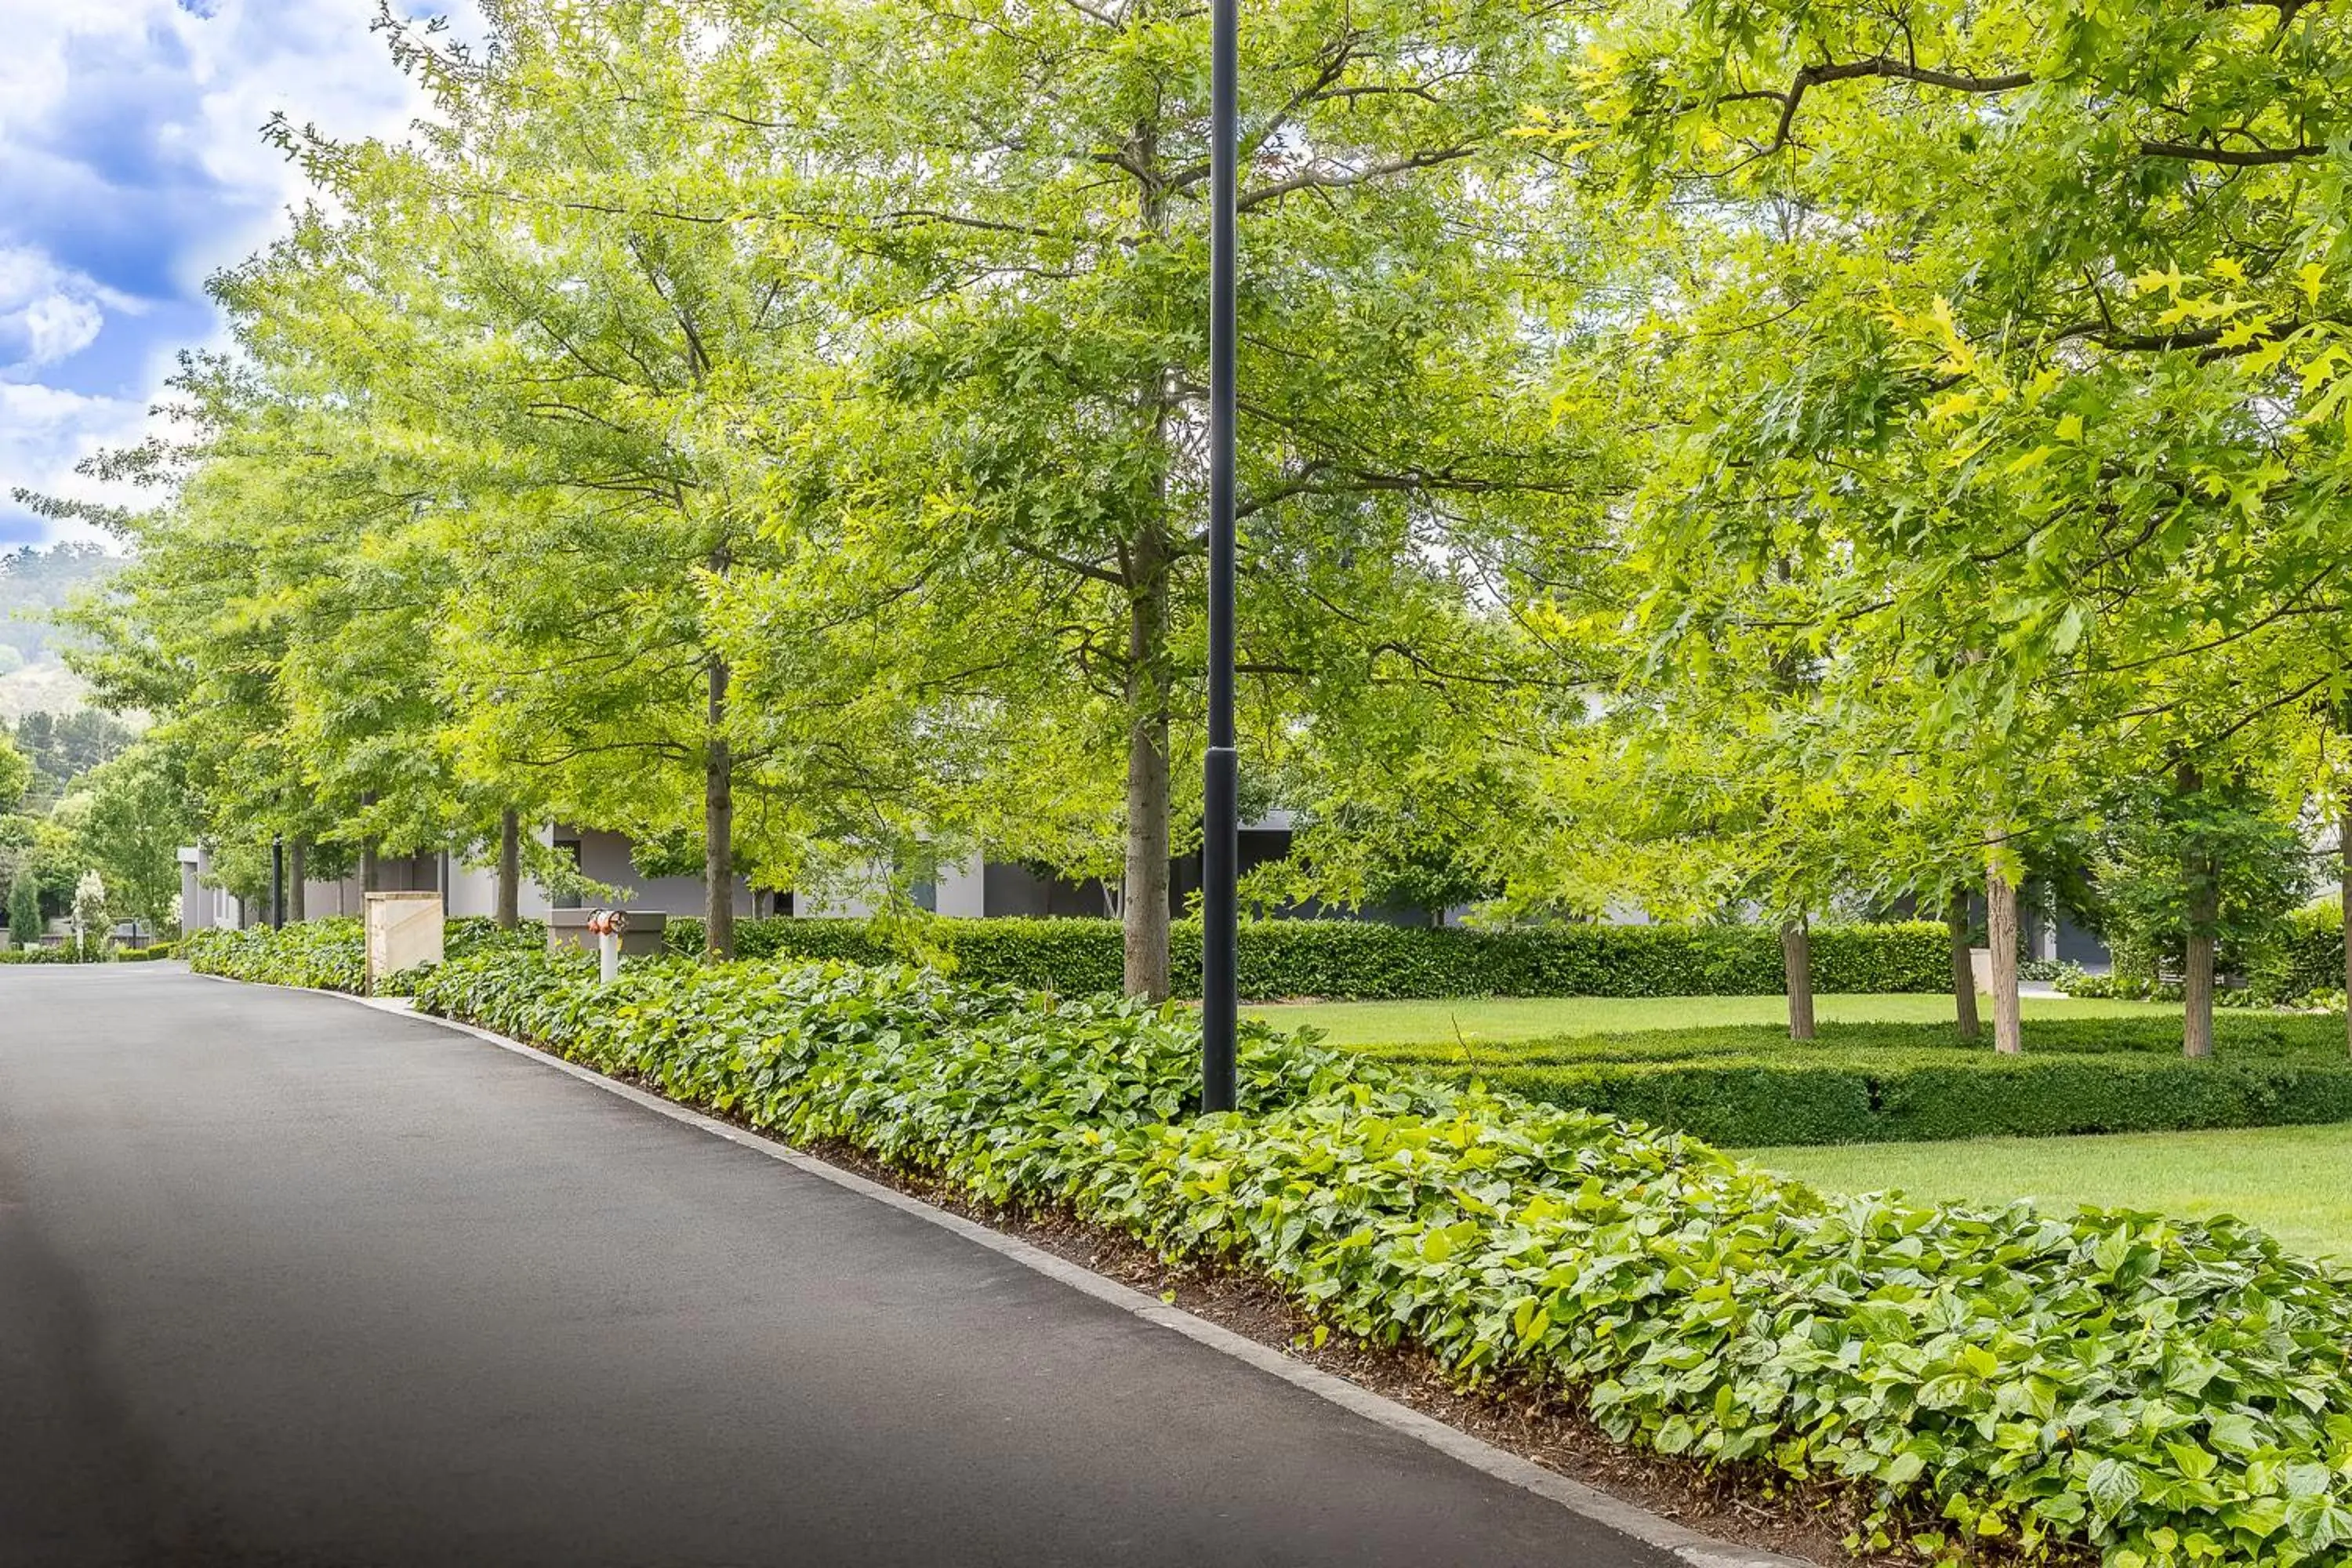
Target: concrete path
[{"x": 286, "y": 1281}]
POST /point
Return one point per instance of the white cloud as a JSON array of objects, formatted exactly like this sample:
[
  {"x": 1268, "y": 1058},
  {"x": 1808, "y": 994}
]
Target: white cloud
[
  {"x": 57, "y": 325},
  {"x": 45, "y": 431},
  {"x": 132, "y": 167},
  {"x": 47, "y": 312}
]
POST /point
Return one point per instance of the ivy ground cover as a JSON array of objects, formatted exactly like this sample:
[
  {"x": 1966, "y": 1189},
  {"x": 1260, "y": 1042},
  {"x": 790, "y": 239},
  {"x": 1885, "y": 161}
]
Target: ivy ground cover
[{"x": 2153, "y": 1392}]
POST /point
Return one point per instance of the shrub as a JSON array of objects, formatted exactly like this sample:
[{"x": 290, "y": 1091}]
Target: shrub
[
  {"x": 65, "y": 953},
  {"x": 2119, "y": 985},
  {"x": 1365, "y": 960},
  {"x": 471, "y": 934},
  {"x": 2306, "y": 955},
  {"x": 2168, "y": 1392},
  {"x": 1748, "y": 1085}
]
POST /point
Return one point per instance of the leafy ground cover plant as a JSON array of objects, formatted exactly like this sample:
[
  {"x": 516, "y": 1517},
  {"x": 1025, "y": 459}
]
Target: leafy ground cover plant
[
  {"x": 324, "y": 954},
  {"x": 331, "y": 954},
  {"x": 2165, "y": 1394}
]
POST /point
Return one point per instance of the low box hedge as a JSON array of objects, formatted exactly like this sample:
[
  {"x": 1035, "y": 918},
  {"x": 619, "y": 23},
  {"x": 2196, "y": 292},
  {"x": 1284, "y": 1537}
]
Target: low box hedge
[
  {"x": 1751, "y": 1101},
  {"x": 2164, "y": 1394},
  {"x": 1747, "y": 1086},
  {"x": 1366, "y": 960}
]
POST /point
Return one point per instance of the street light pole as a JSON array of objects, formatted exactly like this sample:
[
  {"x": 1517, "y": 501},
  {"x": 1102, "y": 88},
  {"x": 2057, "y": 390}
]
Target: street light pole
[
  {"x": 1221, "y": 807},
  {"x": 278, "y": 882}
]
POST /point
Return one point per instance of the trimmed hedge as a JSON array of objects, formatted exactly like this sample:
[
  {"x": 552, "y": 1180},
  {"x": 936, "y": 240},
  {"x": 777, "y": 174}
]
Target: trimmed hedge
[
  {"x": 1365, "y": 960},
  {"x": 1747, "y": 1086},
  {"x": 2168, "y": 1394},
  {"x": 1750, "y": 1102}
]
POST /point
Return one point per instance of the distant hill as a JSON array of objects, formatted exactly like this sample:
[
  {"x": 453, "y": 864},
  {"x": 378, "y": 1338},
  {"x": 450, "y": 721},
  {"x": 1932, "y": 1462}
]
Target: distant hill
[{"x": 34, "y": 581}]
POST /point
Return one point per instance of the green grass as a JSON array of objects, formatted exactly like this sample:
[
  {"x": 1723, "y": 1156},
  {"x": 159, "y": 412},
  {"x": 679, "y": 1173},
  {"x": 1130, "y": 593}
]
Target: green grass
[
  {"x": 1502, "y": 1019},
  {"x": 2294, "y": 1182}
]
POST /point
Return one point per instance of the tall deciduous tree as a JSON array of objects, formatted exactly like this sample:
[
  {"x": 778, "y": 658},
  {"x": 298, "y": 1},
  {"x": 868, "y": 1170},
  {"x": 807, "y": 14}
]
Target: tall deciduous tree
[
  {"x": 136, "y": 820},
  {"x": 2035, "y": 335},
  {"x": 1017, "y": 197}
]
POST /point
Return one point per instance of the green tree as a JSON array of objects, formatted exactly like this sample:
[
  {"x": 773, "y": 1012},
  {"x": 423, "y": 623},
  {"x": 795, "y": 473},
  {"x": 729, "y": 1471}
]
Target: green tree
[
  {"x": 136, "y": 821},
  {"x": 16, "y": 775},
  {"x": 1015, "y": 194},
  {"x": 2026, "y": 342},
  {"x": 557, "y": 314},
  {"x": 24, "y": 906}
]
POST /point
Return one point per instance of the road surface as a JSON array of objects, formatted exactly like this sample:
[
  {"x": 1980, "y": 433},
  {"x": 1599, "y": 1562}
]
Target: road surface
[{"x": 288, "y": 1281}]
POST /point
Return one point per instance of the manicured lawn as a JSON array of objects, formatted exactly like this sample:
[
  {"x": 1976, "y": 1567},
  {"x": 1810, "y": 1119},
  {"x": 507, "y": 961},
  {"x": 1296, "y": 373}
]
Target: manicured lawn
[
  {"x": 1498, "y": 1019},
  {"x": 2295, "y": 1181}
]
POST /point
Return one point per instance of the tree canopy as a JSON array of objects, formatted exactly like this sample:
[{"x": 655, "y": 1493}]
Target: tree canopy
[{"x": 1737, "y": 463}]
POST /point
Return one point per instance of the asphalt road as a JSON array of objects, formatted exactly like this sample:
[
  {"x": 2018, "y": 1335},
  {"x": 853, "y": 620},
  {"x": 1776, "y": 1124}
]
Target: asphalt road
[{"x": 284, "y": 1280}]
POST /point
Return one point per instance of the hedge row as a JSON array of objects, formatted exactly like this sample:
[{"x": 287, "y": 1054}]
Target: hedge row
[
  {"x": 1747, "y": 1086},
  {"x": 1754, "y": 1101},
  {"x": 106, "y": 955},
  {"x": 1365, "y": 960},
  {"x": 2170, "y": 1394}
]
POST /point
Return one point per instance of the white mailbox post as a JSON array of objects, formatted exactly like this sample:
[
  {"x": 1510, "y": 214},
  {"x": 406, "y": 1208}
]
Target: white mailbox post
[{"x": 404, "y": 929}]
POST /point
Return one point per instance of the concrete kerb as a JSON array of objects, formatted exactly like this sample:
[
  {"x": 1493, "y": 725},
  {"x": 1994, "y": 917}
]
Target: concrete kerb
[{"x": 1588, "y": 1502}]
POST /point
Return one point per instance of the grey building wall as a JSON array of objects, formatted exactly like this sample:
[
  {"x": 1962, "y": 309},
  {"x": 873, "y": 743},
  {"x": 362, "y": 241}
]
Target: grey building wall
[{"x": 607, "y": 857}]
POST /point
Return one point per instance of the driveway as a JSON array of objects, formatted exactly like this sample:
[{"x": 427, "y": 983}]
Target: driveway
[{"x": 287, "y": 1280}]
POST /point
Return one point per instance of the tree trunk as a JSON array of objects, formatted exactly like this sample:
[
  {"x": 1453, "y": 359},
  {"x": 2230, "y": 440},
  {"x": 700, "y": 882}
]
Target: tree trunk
[
  {"x": 1797, "y": 972},
  {"x": 718, "y": 829},
  {"x": 371, "y": 872},
  {"x": 2000, "y": 935},
  {"x": 297, "y": 853},
  {"x": 509, "y": 912},
  {"x": 1143, "y": 901},
  {"x": 2202, "y": 877},
  {"x": 1964, "y": 973},
  {"x": 2197, "y": 996}
]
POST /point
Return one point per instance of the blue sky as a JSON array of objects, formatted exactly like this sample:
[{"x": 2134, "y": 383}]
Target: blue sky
[{"x": 131, "y": 168}]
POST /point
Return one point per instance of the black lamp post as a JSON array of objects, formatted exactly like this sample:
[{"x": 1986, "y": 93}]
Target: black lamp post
[
  {"x": 278, "y": 882},
  {"x": 1221, "y": 807}
]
